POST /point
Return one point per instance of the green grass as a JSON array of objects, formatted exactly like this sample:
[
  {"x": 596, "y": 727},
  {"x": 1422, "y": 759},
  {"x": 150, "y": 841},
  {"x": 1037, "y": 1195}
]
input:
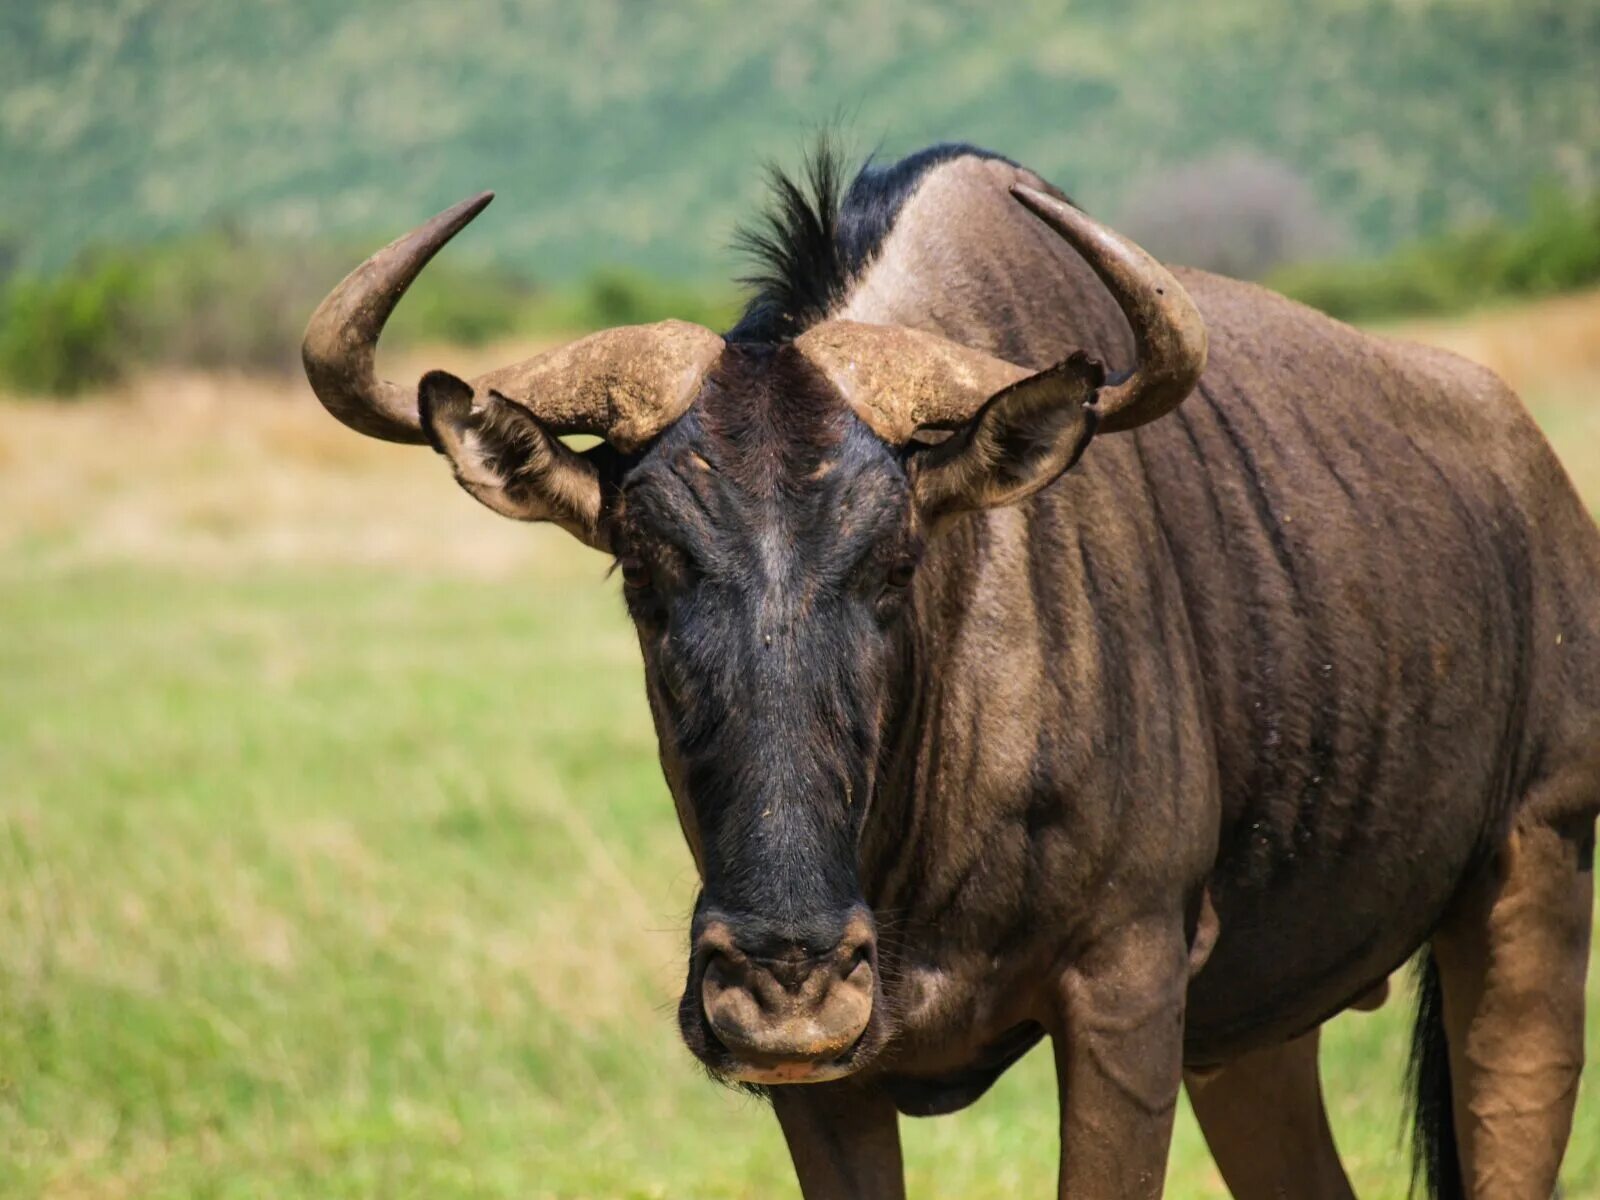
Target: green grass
[{"x": 358, "y": 883}]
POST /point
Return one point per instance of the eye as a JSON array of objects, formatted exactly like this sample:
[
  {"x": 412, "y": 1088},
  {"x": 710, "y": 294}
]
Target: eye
[
  {"x": 901, "y": 573},
  {"x": 635, "y": 573}
]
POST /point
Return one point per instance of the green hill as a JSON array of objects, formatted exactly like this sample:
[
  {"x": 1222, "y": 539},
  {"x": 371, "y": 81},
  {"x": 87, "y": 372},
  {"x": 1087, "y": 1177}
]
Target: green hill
[{"x": 627, "y": 132}]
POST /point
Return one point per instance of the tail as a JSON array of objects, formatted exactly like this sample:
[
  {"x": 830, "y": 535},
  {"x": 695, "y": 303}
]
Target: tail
[{"x": 1434, "y": 1158}]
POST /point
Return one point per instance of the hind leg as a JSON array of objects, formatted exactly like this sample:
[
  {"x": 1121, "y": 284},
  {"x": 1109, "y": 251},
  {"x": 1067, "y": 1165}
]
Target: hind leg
[
  {"x": 1263, "y": 1118},
  {"x": 1512, "y": 955}
]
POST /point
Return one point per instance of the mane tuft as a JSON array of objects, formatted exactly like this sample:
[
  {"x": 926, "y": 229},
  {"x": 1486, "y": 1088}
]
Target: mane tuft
[{"x": 815, "y": 237}]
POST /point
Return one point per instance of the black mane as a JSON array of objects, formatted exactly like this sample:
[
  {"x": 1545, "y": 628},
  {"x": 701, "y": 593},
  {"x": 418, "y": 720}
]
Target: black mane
[{"x": 815, "y": 236}]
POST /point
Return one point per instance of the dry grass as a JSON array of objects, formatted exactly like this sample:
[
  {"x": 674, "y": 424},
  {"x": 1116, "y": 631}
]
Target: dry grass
[{"x": 216, "y": 471}]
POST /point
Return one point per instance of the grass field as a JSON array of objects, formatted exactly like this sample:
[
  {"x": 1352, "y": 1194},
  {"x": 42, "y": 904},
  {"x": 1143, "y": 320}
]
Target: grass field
[{"x": 335, "y": 862}]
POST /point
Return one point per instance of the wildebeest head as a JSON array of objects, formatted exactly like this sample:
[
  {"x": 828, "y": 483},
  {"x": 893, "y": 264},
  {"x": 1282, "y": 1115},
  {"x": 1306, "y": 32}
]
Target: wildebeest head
[{"x": 767, "y": 504}]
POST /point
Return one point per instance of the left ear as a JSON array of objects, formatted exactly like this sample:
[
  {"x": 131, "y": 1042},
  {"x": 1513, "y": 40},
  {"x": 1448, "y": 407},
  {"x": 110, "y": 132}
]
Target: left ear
[
  {"x": 507, "y": 460},
  {"x": 1023, "y": 438}
]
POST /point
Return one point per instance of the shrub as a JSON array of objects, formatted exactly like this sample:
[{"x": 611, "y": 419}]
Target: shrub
[
  {"x": 1557, "y": 249},
  {"x": 216, "y": 299},
  {"x": 618, "y": 297},
  {"x": 60, "y": 336}
]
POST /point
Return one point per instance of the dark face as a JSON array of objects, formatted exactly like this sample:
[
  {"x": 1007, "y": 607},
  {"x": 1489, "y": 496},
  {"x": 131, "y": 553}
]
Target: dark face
[{"x": 767, "y": 544}]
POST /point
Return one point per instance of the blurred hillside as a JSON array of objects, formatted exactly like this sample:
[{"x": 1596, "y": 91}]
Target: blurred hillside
[{"x": 628, "y": 133}]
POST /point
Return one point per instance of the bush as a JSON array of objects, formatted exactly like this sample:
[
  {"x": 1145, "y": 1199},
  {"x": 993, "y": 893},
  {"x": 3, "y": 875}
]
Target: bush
[
  {"x": 1557, "y": 249},
  {"x": 614, "y": 296},
  {"x": 60, "y": 336},
  {"x": 216, "y": 299}
]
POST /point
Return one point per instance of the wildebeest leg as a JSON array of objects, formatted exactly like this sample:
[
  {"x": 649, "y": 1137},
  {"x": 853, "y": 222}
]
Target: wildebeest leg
[
  {"x": 1512, "y": 955},
  {"x": 844, "y": 1139},
  {"x": 1263, "y": 1118},
  {"x": 1119, "y": 1062}
]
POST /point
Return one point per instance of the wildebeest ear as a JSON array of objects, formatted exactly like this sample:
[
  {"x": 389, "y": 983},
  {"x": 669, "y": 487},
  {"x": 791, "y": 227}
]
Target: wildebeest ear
[
  {"x": 505, "y": 458},
  {"x": 1024, "y": 437}
]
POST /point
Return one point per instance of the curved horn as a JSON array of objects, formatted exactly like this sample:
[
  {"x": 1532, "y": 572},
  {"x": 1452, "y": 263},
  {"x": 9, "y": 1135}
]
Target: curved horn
[
  {"x": 341, "y": 341},
  {"x": 624, "y": 385},
  {"x": 899, "y": 380},
  {"x": 1168, "y": 334}
]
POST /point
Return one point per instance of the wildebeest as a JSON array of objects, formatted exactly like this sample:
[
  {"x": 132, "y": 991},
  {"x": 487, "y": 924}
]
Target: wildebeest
[{"x": 1164, "y": 710}]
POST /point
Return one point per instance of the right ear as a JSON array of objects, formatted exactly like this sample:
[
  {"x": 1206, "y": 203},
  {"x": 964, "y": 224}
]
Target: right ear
[
  {"x": 510, "y": 462},
  {"x": 1023, "y": 438}
]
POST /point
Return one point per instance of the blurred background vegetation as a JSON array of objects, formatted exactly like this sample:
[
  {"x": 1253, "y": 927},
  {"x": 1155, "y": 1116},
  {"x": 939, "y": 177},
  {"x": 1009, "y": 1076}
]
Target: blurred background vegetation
[
  {"x": 184, "y": 179},
  {"x": 335, "y": 859}
]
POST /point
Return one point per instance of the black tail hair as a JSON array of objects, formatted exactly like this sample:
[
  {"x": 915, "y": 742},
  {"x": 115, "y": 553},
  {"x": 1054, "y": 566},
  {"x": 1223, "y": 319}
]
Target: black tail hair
[{"x": 1435, "y": 1159}]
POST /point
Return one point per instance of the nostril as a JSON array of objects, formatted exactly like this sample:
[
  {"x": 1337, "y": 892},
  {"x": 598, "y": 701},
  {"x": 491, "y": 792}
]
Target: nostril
[
  {"x": 768, "y": 960},
  {"x": 718, "y": 968},
  {"x": 858, "y": 944}
]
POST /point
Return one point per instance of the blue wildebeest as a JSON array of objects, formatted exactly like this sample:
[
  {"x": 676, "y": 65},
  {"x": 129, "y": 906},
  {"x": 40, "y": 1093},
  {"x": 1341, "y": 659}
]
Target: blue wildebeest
[{"x": 1164, "y": 710}]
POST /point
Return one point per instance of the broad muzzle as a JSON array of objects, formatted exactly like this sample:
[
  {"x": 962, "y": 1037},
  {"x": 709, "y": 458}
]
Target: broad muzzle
[{"x": 785, "y": 1013}]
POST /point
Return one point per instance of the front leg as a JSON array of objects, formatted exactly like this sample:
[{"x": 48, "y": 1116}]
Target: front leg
[
  {"x": 1119, "y": 1061},
  {"x": 844, "y": 1139}
]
